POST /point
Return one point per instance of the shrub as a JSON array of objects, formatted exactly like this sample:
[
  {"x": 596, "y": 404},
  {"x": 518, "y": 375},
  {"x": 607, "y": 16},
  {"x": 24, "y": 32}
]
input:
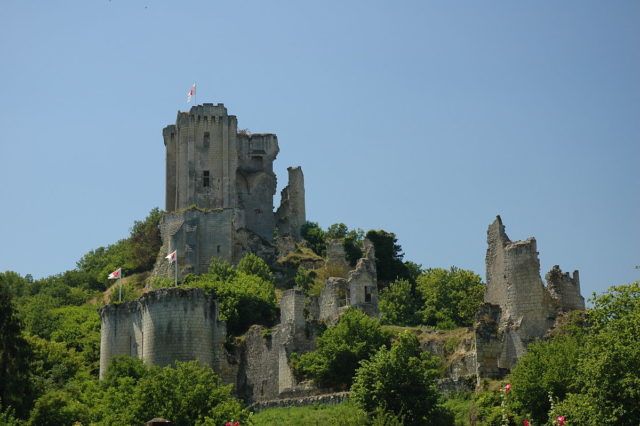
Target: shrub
[
  {"x": 401, "y": 380},
  {"x": 339, "y": 350}
]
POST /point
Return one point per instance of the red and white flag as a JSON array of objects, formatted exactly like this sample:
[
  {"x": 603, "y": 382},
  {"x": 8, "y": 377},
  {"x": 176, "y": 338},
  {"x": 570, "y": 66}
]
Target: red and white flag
[
  {"x": 171, "y": 257},
  {"x": 117, "y": 274},
  {"x": 192, "y": 92}
]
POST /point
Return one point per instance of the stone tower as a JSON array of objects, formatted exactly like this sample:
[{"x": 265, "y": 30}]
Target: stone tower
[
  {"x": 518, "y": 307},
  {"x": 219, "y": 192}
]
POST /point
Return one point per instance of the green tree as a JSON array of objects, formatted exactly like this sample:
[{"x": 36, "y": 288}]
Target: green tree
[
  {"x": 57, "y": 408},
  {"x": 244, "y": 299},
  {"x": 401, "y": 380},
  {"x": 398, "y": 304},
  {"x": 185, "y": 394},
  {"x": 15, "y": 354},
  {"x": 144, "y": 242},
  {"x": 78, "y": 327},
  {"x": 251, "y": 264},
  {"x": 389, "y": 264},
  {"x": 52, "y": 365},
  {"x": 340, "y": 348},
  {"x": 449, "y": 297},
  {"x": 315, "y": 236},
  {"x": 608, "y": 384},
  {"x": 304, "y": 279},
  {"x": 550, "y": 366}
]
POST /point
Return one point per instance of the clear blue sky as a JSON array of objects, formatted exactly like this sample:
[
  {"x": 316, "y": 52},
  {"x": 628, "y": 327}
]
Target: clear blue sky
[{"x": 426, "y": 119}]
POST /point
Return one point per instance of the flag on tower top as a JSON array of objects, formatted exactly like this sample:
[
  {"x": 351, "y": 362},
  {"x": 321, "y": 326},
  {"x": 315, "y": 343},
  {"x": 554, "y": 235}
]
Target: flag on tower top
[
  {"x": 117, "y": 274},
  {"x": 171, "y": 257},
  {"x": 192, "y": 92}
]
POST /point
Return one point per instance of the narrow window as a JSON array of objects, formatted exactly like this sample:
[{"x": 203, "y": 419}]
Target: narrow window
[
  {"x": 367, "y": 294},
  {"x": 206, "y": 140},
  {"x": 205, "y": 178}
]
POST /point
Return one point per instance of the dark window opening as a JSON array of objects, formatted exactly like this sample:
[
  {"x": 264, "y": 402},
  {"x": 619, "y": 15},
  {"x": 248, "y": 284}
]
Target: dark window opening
[
  {"x": 218, "y": 248},
  {"x": 205, "y": 178},
  {"x": 206, "y": 140},
  {"x": 367, "y": 294}
]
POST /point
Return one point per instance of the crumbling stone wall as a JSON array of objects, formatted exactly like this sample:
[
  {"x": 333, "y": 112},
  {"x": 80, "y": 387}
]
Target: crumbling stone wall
[
  {"x": 359, "y": 290},
  {"x": 164, "y": 326},
  {"x": 219, "y": 192},
  {"x": 565, "y": 289},
  {"x": 264, "y": 372},
  {"x": 291, "y": 214},
  {"x": 527, "y": 309}
]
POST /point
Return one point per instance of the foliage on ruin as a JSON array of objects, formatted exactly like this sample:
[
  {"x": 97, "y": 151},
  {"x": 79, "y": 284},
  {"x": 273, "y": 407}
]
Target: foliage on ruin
[
  {"x": 401, "y": 380},
  {"x": 340, "y": 349},
  {"x": 244, "y": 299},
  {"x": 593, "y": 374},
  {"x": 251, "y": 264},
  {"x": 317, "y": 238},
  {"x": 450, "y": 297},
  {"x": 398, "y": 304},
  {"x": 389, "y": 255}
]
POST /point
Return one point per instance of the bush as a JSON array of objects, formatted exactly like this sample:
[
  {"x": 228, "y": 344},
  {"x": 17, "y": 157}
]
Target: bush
[
  {"x": 401, "y": 380},
  {"x": 389, "y": 264},
  {"x": 398, "y": 304},
  {"x": 244, "y": 299},
  {"x": 449, "y": 297},
  {"x": 339, "y": 350}
]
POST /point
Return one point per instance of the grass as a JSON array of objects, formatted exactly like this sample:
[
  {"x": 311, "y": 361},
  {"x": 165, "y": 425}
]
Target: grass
[{"x": 339, "y": 414}]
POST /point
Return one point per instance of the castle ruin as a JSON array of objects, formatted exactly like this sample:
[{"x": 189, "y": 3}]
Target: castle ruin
[
  {"x": 219, "y": 204},
  {"x": 219, "y": 192},
  {"x": 518, "y": 308}
]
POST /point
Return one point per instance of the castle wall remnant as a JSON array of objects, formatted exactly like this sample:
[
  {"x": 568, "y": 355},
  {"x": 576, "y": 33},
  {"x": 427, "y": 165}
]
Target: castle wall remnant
[
  {"x": 516, "y": 294},
  {"x": 291, "y": 214},
  {"x": 219, "y": 192},
  {"x": 162, "y": 327}
]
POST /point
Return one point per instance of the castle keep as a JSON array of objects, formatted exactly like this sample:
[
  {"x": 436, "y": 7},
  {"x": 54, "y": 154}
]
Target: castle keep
[{"x": 219, "y": 192}]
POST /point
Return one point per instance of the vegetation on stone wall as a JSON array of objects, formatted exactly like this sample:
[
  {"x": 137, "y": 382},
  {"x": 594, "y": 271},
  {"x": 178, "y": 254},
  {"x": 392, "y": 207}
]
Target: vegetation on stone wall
[
  {"x": 246, "y": 294},
  {"x": 340, "y": 349},
  {"x": 401, "y": 380},
  {"x": 587, "y": 369},
  {"x": 590, "y": 369},
  {"x": 444, "y": 298}
]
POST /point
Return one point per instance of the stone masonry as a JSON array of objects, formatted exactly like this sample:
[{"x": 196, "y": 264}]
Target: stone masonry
[
  {"x": 219, "y": 192},
  {"x": 518, "y": 307},
  {"x": 164, "y": 326}
]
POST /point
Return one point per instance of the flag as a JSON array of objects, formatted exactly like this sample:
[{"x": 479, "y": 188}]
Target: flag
[
  {"x": 117, "y": 274},
  {"x": 192, "y": 92},
  {"x": 171, "y": 257}
]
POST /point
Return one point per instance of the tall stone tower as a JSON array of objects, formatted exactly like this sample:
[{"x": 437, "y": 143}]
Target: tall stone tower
[{"x": 219, "y": 192}]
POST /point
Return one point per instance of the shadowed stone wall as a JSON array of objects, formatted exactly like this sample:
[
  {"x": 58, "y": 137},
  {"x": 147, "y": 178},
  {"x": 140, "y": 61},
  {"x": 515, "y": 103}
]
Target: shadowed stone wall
[{"x": 163, "y": 326}]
